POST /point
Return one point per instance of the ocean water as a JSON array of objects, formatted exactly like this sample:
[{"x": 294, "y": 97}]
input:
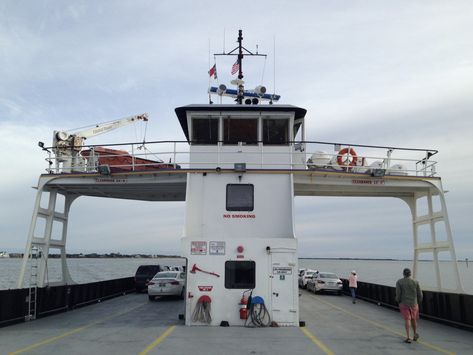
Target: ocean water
[
  {"x": 83, "y": 270},
  {"x": 383, "y": 272}
]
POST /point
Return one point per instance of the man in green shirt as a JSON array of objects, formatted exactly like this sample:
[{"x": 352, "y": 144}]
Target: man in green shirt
[{"x": 409, "y": 295}]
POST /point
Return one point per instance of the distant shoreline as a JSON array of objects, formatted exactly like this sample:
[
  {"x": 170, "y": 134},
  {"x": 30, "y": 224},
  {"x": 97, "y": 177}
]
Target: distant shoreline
[
  {"x": 155, "y": 256},
  {"x": 100, "y": 256}
]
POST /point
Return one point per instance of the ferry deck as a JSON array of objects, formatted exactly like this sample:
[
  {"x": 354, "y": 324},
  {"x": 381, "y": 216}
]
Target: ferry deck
[
  {"x": 237, "y": 161},
  {"x": 132, "y": 325}
]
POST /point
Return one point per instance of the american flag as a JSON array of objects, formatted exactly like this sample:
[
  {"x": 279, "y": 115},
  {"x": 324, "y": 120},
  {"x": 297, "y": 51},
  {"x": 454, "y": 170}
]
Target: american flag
[{"x": 235, "y": 67}]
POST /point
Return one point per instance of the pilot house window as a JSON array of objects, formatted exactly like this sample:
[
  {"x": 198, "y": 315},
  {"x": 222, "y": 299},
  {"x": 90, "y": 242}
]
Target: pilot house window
[
  {"x": 275, "y": 131},
  {"x": 205, "y": 130},
  {"x": 240, "y": 130}
]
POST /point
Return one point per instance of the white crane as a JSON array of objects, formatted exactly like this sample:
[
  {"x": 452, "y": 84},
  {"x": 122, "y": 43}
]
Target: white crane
[{"x": 67, "y": 145}]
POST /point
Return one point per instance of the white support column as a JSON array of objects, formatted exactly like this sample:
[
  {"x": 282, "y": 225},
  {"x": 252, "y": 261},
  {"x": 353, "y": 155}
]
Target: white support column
[
  {"x": 434, "y": 246},
  {"x": 45, "y": 241},
  {"x": 448, "y": 230},
  {"x": 29, "y": 241}
]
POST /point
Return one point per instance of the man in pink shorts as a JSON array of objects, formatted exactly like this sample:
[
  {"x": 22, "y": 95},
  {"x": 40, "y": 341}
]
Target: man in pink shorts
[{"x": 409, "y": 295}]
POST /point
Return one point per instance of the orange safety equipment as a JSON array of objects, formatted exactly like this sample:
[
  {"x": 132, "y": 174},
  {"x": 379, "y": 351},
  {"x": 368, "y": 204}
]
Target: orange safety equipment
[{"x": 351, "y": 159}]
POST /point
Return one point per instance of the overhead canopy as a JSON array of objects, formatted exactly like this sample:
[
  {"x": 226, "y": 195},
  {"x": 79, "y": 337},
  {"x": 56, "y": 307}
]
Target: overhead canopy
[{"x": 181, "y": 112}]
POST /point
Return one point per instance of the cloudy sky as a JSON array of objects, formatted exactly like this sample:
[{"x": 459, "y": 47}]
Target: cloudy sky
[{"x": 396, "y": 73}]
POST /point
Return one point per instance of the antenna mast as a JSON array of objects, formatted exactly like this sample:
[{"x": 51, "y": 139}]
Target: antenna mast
[{"x": 242, "y": 51}]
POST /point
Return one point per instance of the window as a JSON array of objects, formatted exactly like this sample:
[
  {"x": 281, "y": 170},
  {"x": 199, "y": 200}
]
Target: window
[
  {"x": 240, "y": 197},
  {"x": 205, "y": 130},
  {"x": 297, "y": 133},
  {"x": 240, "y": 274},
  {"x": 275, "y": 131},
  {"x": 240, "y": 130}
]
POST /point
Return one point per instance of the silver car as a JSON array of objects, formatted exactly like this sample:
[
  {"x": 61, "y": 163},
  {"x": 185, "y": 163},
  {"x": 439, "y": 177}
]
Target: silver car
[
  {"x": 325, "y": 281},
  {"x": 305, "y": 276},
  {"x": 167, "y": 283}
]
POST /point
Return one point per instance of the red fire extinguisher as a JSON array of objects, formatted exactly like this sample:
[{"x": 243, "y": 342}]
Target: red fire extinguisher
[{"x": 243, "y": 307}]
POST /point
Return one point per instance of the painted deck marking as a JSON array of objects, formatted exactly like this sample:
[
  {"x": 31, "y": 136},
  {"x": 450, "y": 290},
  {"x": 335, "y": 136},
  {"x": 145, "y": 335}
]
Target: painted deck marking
[
  {"x": 316, "y": 341},
  {"x": 158, "y": 340},
  {"x": 389, "y": 330},
  {"x": 70, "y": 332}
]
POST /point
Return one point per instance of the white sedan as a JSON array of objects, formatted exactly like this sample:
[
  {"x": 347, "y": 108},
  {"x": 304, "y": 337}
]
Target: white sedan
[
  {"x": 167, "y": 283},
  {"x": 305, "y": 276},
  {"x": 325, "y": 281}
]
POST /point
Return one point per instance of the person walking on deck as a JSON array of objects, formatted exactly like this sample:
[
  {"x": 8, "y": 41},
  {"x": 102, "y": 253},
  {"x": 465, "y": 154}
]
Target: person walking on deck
[
  {"x": 409, "y": 295},
  {"x": 353, "y": 284}
]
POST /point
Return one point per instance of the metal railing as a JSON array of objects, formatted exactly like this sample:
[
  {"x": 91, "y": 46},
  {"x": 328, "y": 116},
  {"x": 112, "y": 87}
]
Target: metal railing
[{"x": 307, "y": 155}]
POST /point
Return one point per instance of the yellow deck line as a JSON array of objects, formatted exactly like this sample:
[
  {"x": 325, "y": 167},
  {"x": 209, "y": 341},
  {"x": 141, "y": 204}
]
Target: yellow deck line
[
  {"x": 389, "y": 330},
  {"x": 316, "y": 341},
  {"x": 158, "y": 340},
  {"x": 70, "y": 332}
]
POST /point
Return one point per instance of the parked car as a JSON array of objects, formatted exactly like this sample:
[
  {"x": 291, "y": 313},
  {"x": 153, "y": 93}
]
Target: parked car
[
  {"x": 144, "y": 274},
  {"x": 325, "y": 281},
  {"x": 174, "y": 268},
  {"x": 167, "y": 283},
  {"x": 305, "y": 276}
]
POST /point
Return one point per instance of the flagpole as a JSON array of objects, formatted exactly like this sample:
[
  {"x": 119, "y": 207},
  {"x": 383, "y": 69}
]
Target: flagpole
[
  {"x": 240, "y": 71},
  {"x": 208, "y": 89}
]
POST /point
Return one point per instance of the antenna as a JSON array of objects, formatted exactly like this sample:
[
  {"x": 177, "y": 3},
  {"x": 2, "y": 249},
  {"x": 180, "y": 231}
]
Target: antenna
[
  {"x": 274, "y": 69},
  {"x": 223, "y": 40},
  {"x": 242, "y": 52},
  {"x": 210, "y": 99}
]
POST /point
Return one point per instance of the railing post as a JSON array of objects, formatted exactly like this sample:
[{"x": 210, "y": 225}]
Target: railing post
[
  {"x": 174, "y": 154},
  {"x": 388, "y": 159},
  {"x": 133, "y": 157}
]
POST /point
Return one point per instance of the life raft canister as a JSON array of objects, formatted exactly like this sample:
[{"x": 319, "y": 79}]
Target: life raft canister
[{"x": 351, "y": 157}]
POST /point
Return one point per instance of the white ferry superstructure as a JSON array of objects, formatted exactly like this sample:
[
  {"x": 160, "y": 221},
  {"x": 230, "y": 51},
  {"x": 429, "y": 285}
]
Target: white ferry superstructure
[{"x": 238, "y": 172}]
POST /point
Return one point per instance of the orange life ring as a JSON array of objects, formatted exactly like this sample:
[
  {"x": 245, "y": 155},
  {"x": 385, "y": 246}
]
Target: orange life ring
[{"x": 350, "y": 152}]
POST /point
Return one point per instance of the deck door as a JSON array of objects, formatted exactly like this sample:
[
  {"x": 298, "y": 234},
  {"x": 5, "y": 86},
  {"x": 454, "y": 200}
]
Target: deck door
[{"x": 283, "y": 288}]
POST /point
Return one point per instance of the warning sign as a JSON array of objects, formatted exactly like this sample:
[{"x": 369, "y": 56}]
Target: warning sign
[
  {"x": 216, "y": 248},
  {"x": 199, "y": 248},
  {"x": 281, "y": 270}
]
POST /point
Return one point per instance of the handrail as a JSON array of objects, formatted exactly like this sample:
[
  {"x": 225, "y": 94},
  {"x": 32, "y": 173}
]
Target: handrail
[{"x": 293, "y": 155}]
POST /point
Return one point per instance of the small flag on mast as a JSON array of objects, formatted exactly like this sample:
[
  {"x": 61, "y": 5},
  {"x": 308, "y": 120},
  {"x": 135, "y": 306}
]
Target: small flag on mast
[
  {"x": 235, "y": 67},
  {"x": 213, "y": 71}
]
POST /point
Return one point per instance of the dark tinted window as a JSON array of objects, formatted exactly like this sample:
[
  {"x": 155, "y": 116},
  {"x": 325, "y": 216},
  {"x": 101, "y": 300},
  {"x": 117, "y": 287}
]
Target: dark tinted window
[
  {"x": 240, "y": 274},
  {"x": 275, "y": 131},
  {"x": 240, "y": 197},
  {"x": 240, "y": 130},
  {"x": 205, "y": 130},
  {"x": 148, "y": 270}
]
